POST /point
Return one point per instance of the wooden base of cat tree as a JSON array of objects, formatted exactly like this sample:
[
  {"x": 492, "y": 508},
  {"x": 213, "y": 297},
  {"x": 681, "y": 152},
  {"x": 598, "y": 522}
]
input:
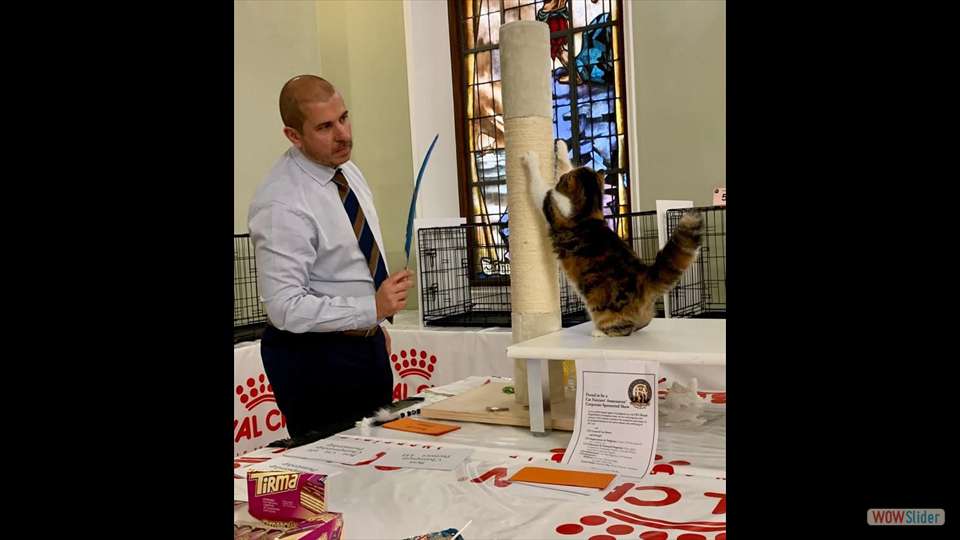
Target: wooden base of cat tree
[{"x": 471, "y": 406}]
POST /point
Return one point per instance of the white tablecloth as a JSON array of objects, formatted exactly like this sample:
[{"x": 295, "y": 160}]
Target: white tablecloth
[
  {"x": 684, "y": 497},
  {"x": 421, "y": 358}
]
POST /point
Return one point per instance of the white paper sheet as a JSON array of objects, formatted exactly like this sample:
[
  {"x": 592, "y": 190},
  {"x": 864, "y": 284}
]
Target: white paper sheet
[
  {"x": 336, "y": 450},
  {"x": 445, "y": 459},
  {"x": 615, "y": 428}
]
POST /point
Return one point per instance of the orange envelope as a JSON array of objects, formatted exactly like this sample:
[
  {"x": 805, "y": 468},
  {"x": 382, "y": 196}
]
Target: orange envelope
[
  {"x": 541, "y": 475},
  {"x": 420, "y": 426}
]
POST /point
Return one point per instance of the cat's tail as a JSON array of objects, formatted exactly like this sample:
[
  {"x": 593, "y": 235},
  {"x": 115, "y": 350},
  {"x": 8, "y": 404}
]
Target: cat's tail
[{"x": 676, "y": 256}]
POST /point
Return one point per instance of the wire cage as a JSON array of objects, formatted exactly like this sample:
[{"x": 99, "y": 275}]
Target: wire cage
[
  {"x": 465, "y": 278},
  {"x": 465, "y": 272},
  {"x": 249, "y": 317},
  {"x": 702, "y": 290}
]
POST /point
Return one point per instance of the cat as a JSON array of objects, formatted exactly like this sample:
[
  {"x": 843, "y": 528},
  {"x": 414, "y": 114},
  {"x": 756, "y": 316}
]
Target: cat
[{"x": 618, "y": 289}]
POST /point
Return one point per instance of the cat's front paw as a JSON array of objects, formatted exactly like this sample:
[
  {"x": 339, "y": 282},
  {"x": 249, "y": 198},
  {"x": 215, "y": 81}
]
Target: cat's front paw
[
  {"x": 597, "y": 333},
  {"x": 529, "y": 160}
]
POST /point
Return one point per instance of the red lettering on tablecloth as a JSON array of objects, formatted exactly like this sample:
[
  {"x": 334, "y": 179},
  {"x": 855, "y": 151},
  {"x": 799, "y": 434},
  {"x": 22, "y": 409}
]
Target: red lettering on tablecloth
[
  {"x": 241, "y": 461},
  {"x": 721, "y": 507},
  {"x": 497, "y": 473},
  {"x": 715, "y": 397},
  {"x": 274, "y": 426},
  {"x": 618, "y": 492},
  {"x": 662, "y": 468},
  {"x": 371, "y": 460},
  {"x": 695, "y": 526},
  {"x": 629, "y": 519},
  {"x": 248, "y": 429},
  {"x": 670, "y": 495},
  {"x": 253, "y": 393},
  {"x": 666, "y": 468}
]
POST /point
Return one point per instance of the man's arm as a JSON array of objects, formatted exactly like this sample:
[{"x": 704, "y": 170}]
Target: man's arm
[{"x": 284, "y": 248}]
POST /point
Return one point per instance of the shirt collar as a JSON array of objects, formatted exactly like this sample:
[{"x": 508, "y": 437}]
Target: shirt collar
[{"x": 320, "y": 173}]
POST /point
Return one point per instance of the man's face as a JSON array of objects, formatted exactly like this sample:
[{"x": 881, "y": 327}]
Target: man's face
[{"x": 326, "y": 136}]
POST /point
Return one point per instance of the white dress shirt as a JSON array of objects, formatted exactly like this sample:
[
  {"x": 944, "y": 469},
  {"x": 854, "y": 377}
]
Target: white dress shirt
[{"x": 312, "y": 274}]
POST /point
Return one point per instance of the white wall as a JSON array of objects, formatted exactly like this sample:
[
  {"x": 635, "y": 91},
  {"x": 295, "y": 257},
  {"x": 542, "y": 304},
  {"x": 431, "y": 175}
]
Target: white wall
[
  {"x": 431, "y": 105},
  {"x": 679, "y": 73},
  {"x": 273, "y": 41}
]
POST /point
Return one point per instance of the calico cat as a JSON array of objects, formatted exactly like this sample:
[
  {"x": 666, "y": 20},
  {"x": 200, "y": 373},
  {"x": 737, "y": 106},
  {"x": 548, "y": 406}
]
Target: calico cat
[{"x": 618, "y": 289}]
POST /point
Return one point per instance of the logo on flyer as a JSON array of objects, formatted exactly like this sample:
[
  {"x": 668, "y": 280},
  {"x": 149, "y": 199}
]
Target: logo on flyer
[{"x": 640, "y": 393}]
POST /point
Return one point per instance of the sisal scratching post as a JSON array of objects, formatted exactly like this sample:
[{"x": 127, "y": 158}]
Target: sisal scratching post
[{"x": 528, "y": 125}]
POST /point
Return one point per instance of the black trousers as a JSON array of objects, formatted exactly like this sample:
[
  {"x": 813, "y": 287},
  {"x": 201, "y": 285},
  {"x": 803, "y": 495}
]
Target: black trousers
[{"x": 324, "y": 382}]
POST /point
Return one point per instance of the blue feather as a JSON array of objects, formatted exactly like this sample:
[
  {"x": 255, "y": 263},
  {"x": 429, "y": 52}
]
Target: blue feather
[{"x": 413, "y": 200}]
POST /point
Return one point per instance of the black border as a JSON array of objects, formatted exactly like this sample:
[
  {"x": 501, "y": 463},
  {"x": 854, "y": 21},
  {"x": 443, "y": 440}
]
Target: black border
[
  {"x": 132, "y": 332},
  {"x": 838, "y": 283},
  {"x": 841, "y": 155}
]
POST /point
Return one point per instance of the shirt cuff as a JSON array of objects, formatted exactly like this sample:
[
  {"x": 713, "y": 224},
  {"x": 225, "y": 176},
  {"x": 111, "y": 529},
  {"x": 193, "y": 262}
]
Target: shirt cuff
[{"x": 367, "y": 312}]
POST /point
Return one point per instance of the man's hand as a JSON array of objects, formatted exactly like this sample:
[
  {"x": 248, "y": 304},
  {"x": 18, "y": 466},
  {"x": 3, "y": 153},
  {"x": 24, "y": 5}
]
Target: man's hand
[{"x": 392, "y": 295}]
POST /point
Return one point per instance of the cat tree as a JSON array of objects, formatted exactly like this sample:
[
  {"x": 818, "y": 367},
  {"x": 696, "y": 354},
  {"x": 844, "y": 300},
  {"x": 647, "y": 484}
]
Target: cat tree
[{"x": 527, "y": 121}]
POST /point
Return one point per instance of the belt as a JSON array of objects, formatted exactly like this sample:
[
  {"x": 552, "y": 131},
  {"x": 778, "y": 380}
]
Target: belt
[
  {"x": 367, "y": 332},
  {"x": 362, "y": 332}
]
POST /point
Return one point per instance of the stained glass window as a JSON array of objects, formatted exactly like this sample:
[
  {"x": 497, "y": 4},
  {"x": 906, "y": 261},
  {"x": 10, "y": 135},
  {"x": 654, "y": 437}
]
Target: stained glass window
[{"x": 586, "y": 47}]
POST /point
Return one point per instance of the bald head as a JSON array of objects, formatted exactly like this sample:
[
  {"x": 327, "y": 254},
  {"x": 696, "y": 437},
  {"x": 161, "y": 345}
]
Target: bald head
[{"x": 299, "y": 91}]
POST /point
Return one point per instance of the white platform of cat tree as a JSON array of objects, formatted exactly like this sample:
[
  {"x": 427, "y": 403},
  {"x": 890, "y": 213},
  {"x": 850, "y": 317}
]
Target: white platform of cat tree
[{"x": 668, "y": 341}]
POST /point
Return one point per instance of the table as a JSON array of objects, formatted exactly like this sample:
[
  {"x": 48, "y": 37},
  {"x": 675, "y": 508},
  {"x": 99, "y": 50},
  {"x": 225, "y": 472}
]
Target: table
[
  {"x": 691, "y": 342},
  {"x": 685, "y": 493}
]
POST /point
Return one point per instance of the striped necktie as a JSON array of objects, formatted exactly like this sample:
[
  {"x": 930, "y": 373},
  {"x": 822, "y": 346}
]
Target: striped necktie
[{"x": 362, "y": 229}]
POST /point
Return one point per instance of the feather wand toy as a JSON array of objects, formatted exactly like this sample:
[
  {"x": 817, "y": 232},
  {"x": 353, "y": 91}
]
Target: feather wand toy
[{"x": 413, "y": 200}]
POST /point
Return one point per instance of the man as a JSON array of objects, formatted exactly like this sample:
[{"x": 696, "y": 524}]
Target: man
[{"x": 323, "y": 276}]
